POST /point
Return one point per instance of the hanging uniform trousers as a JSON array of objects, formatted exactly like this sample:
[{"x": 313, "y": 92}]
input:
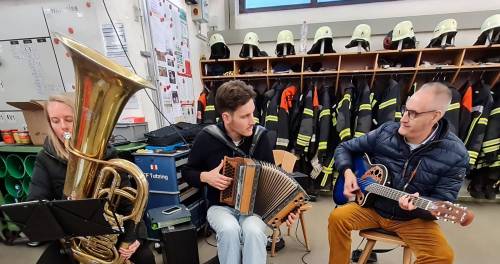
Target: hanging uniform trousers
[
  {"x": 289, "y": 101},
  {"x": 453, "y": 112},
  {"x": 271, "y": 112},
  {"x": 342, "y": 122},
  {"x": 324, "y": 121},
  {"x": 333, "y": 141}
]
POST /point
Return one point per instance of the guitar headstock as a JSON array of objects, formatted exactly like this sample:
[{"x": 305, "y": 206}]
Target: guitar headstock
[{"x": 452, "y": 212}]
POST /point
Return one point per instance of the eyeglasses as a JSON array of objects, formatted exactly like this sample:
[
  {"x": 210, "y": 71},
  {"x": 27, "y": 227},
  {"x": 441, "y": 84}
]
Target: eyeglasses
[{"x": 412, "y": 114}]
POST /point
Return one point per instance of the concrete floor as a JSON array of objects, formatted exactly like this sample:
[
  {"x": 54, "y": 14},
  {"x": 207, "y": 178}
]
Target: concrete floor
[{"x": 474, "y": 244}]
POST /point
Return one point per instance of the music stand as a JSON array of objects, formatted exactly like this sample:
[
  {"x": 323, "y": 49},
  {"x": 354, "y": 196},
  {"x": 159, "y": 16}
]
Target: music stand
[{"x": 51, "y": 220}]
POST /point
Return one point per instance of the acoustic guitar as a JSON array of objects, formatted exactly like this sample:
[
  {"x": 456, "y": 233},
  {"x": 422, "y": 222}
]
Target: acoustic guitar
[{"x": 372, "y": 180}]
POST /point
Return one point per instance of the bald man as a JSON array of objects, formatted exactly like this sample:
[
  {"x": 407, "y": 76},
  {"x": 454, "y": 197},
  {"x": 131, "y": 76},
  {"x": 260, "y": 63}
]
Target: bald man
[{"x": 423, "y": 158}]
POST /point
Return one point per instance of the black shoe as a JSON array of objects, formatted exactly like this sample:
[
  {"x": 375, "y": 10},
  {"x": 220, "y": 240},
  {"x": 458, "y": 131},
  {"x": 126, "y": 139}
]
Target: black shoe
[
  {"x": 280, "y": 243},
  {"x": 33, "y": 244},
  {"x": 356, "y": 254},
  {"x": 475, "y": 190},
  {"x": 489, "y": 192}
]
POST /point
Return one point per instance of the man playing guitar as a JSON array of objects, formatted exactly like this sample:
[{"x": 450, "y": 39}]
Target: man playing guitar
[{"x": 423, "y": 158}]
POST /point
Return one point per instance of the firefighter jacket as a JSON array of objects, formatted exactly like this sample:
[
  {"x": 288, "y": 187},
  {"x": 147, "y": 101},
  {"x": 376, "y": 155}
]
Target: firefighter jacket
[
  {"x": 202, "y": 103},
  {"x": 210, "y": 116},
  {"x": 306, "y": 131},
  {"x": 453, "y": 112},
  {"x": 388, "y": 102},
  {"x": 289, "y": 101},
  {"x": 482, "y": 102},
  {"x": 363, "y": 109},
  {"x": 490, "y": 150},
  {"x": 271, "y": 110},
  {"x": 343, "y": 117}
]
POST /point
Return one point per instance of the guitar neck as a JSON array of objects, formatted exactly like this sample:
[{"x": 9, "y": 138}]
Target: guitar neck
[{"x": 394, "y": 194}]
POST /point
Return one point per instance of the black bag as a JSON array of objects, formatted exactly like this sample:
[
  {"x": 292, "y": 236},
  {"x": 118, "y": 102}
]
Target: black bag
[{"x": 168, "y": 135}]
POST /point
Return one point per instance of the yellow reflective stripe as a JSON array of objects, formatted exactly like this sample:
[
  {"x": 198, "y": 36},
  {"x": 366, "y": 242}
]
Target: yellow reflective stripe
[
  {"x": 308, "y": 111},
  {"x": 302, "y": 143},
  {"x": 345, "y": 133},
  {"x": 397, "y": 114},
  {"x": 371, "y": 97},
  {"x": 495, "y": 111},
  {"x": 365, "y": 107},
  {"x": 495, "y": 164},
  {"x": 358, "y": 134},
  {"x": 387, "y": 103},
  {"x": 472, "y": 161},
  {"x": 472, "y": 125},
  {"x": 483, "y": 121},
  {"x": 271, "y": 118},
  {"x": 322, "y": 145},
  {"x": 490, "y": 149},
  {"x": 491, "y": 142},
  {"x": 453, "y": 106},
  {"x": 324, "y": 112},
  {"x": 347, "y": 97},
  {"x": 374, "y": 102},
  {"x": 303, "y": 137},
  {"x": 473, "y": 154},
  {"x": 334, "y": 120},
  {"x": 256, "y": 120},
  {"x": 210, "y": 108}
]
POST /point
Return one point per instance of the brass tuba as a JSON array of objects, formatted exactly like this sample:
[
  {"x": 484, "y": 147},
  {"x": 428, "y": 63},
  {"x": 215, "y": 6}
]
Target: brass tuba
[{"x": 102, "y": 89}]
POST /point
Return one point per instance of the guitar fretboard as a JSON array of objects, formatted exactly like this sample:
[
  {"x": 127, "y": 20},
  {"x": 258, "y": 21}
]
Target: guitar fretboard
[{"x": 397, "y": 194}]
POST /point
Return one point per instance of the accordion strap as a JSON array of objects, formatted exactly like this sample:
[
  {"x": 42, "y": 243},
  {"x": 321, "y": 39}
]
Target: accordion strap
[{"x": 216, "y": 132}]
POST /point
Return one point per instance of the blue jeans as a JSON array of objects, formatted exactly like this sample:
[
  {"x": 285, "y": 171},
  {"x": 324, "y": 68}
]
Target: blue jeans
[{"x": 233, "y": 230}]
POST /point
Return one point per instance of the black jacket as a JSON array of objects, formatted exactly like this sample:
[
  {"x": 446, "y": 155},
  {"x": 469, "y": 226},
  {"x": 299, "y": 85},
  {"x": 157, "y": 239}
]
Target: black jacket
[
  {"x": 442, "y": 165},
  {"x": 47, "y": 183},
  {"x": 207, "y": 153}
]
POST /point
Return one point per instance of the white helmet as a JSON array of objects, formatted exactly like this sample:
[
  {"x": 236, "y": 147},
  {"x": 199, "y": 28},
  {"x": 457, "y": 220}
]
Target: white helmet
[
  {"x": 216, "y": 38},
  {"x": 285, "y": 36},
  {"x": 403, "y": 30},
  {"x": 445, "y": 26},
  {"x": 490, "y": 23},
  {"x": 251, "y": 39},
  {"x": 362, "y": 32},
  {"x": 322, "y": 33}
]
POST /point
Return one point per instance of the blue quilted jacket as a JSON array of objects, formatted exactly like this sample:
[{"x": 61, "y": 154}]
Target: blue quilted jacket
[{"x": 440, "y": 166}]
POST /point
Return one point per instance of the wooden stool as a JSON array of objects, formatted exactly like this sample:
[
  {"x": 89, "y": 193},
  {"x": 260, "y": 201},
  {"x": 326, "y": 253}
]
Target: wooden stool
[
  {"x": 377, "y": 234},
  {"x": 302, "y": 226}
]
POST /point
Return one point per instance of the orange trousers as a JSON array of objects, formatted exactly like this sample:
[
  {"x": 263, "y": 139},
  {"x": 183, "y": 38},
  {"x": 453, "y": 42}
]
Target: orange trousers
[{"x": 424, "y": 237}]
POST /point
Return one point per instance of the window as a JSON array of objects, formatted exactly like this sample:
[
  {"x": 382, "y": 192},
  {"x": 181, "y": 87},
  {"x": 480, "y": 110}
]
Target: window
[{"x": 250, "y": 6}]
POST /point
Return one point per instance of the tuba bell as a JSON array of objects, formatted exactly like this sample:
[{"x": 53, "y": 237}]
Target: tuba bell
[{"x": 102, "y": 88}]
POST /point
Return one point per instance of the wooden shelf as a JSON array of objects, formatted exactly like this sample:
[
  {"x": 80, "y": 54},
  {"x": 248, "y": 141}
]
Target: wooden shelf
[
  {"x": 367, "y": 63},
  {"x": 438, "y": 68},
  {"x": 402, "y": 69},
  {"x": 308, "y": 73},
  {"x": 217, "y": 77}
]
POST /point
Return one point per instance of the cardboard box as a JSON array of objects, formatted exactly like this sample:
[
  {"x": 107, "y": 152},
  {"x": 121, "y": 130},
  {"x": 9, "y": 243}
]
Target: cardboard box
[{"x": 35, "y": 119}]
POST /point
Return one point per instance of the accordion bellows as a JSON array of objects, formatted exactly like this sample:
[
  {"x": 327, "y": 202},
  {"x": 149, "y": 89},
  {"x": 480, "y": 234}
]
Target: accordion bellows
[{"x": 261, "y": 188}]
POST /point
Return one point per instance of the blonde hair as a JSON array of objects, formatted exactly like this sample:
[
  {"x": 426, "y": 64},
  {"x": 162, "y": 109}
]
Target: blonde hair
[{"x": 67, "y": 98}]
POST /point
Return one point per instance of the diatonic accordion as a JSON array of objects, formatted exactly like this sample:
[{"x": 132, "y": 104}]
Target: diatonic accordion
[{"x": 261, "y": 188}]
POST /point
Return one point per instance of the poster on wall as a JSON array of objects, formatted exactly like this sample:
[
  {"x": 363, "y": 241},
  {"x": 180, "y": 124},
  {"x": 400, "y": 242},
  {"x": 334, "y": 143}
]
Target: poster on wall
[{"x": 170, "y": 40}]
